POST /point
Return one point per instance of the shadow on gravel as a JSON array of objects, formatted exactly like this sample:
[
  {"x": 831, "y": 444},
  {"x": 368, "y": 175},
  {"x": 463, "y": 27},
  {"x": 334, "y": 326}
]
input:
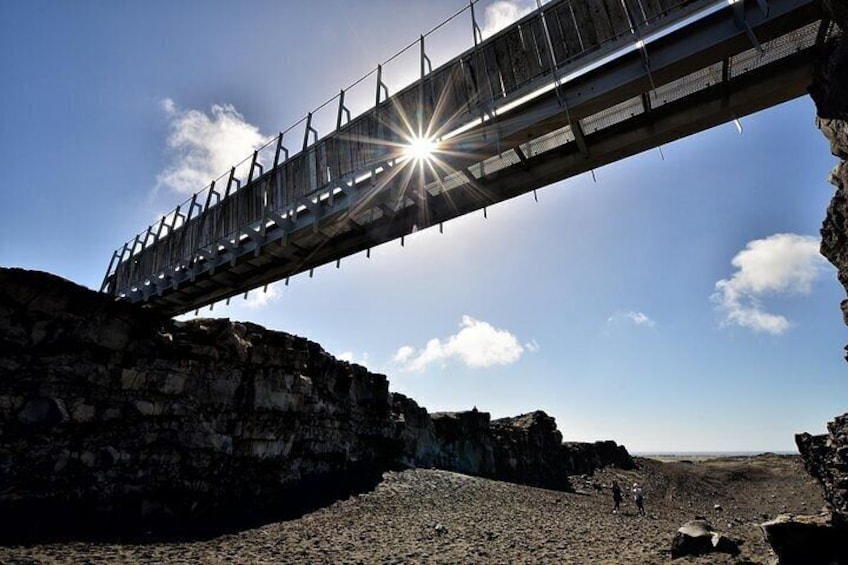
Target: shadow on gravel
[{"x": 141, "y": 521}]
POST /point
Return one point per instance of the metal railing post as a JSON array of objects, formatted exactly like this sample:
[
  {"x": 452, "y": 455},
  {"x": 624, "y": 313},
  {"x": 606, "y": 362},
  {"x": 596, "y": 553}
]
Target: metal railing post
[
  {"x": 343, "y": 111},
  {"x": 309, "y": 129}
]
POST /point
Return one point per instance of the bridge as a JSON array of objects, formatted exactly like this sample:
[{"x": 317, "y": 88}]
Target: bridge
[{"x": 575, "y": 85}]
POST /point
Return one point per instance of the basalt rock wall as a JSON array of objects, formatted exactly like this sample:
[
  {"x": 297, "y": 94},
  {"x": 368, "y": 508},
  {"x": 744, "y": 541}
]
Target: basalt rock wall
[
  {"x": 526, "y": 449},
  {"x": 830, "y": 94},
  {"x": 826, "y": 456},
  {"x": 824, "y": 539},
  {"x": 113, "y": 417},
  {"x": 826, "y": 459},
  {"x": 106, "y": 410}
]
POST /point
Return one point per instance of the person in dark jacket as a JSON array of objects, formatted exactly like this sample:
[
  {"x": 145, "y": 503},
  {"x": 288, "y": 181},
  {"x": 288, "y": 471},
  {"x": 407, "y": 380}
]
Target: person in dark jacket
[{"x": 616, "y": 497}]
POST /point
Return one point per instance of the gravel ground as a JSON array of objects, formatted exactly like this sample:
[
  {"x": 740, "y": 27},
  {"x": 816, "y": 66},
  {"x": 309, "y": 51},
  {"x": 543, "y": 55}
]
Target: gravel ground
[{"x": 429, "y": 516}]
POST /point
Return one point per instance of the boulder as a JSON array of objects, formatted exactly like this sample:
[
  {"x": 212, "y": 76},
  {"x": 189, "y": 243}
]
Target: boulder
[
  {"x": 43, "y": 412},
  {"x": 807, "y": 540},
  {"x": 697, "y": 537}
]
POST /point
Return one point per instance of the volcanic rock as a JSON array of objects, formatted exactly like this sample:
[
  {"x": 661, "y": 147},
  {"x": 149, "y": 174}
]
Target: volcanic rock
[
  {"x": 697, "y": 537},
  {"x": 826, "y": 458},
  {"x": 113, "y": 417},
  {"x": 807, "y": 540}
]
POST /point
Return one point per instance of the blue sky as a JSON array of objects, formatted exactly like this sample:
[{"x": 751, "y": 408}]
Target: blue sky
[{"x": 674, "y": 304}]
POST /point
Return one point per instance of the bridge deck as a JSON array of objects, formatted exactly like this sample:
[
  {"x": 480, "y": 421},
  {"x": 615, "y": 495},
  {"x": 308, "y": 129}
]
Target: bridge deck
[{"x": 564, "y": 90}]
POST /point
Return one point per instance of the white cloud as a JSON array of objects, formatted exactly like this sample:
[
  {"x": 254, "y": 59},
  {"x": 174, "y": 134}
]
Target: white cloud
[
  {"x": 351, "y": 357},
  {"x": 204, "y": 146},
  {"x": 532, "y": 346},
  {"x": 404, "y": 354},
  {"x": 478, "y": 344},
  {"x": 502, "y": 13},
  {"x": 259, "y": 297},
  {"x": 640, "y": 319},
  {"x": 635, "y": 318},
  {"x": 783, "y": 263}
]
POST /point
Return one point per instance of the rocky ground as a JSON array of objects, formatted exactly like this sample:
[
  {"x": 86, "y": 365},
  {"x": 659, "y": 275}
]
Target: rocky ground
[{"x": 428, "y": 516}]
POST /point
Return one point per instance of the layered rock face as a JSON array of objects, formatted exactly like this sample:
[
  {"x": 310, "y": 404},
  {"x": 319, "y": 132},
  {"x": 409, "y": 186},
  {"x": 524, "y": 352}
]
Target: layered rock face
[
  {"x": 107, "y": 412},
  {"x": 106, "y": 409},
  {"x": 821, "y": 539},
  {"x": 529, "y": 450},
  {"x": 830, "y": 94},
  {"x": 526, "y": 449},
  {"x": 824, "y": 539},
  {"x": 826, "y": 457}
]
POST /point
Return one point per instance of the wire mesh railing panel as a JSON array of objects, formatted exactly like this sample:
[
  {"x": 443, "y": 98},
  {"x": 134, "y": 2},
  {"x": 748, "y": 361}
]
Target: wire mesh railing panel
[
  {"x": 454, "y": 180},
  {"x": 547, "y": 142},
  {"x": 494, "y": 164},
  {"x": 774, "y": 50},
  {"x": 689, "y": 84},
  {"x": 611, "y": 116}
]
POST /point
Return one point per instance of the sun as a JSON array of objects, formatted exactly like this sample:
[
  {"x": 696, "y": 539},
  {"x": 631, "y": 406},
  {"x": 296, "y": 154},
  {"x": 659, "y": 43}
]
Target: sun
[{"x": 420, "y": 149}]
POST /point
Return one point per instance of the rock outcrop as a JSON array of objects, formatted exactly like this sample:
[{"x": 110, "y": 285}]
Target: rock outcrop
[
  {"x": 529, "y": 450},
  {"x": 113, "y": 417},
  {"x": 585, "y": 458},
  {"x": 466, "y": 442},
  {"x": 807, "y": 540},
  {"x": 824, "y": 539},
  {"x": 830, "y": 94},
  {"x": 526, "y": 449},
  {"x": 826, "y": 459},
  {"x": 105, "y": 410}
]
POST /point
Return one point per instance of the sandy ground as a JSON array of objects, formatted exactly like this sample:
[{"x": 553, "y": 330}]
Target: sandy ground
[{"x": 428, "y": 516}]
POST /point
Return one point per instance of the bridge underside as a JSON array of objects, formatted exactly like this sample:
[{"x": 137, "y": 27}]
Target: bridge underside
[{"x": 692, "y": 79}]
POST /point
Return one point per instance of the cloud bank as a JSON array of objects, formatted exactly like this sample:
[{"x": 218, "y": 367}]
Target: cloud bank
[
  {"x": 205, "y": 145},
  {"x": 783, "y": 263},
  {"x": 478, "y": 344}
]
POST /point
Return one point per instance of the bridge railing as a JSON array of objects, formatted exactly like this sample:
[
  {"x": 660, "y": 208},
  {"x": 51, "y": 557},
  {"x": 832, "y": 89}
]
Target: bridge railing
[{"x": 540, "y": 47}]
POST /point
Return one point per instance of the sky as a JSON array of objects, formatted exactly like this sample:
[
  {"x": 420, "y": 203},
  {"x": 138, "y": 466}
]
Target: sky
[{"x": 674, "y": 302}]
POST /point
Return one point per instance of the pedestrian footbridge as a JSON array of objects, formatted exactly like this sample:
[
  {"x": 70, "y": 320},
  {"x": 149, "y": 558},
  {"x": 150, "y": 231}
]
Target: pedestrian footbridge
[{"x": 568, "y": 88}]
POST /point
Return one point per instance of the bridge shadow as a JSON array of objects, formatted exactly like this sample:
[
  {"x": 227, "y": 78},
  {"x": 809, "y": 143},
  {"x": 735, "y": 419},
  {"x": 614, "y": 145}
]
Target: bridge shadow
[{"x": 138, "y": 522}]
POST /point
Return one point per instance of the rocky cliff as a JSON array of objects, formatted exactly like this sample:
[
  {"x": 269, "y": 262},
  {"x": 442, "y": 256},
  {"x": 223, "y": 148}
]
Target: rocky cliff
[
  {"x": 108, "y": 411},
  {"x": 826, "y": 457},
  {"x": 112, "y": 417},
  {"x": 830, "y": 94},
  {"x": 526, "y": 449},
  {"x": 824, "y": 538}
]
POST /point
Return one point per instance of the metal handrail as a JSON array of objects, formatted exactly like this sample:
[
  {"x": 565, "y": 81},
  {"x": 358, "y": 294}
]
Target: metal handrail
[{"x": 132, "y": 251}]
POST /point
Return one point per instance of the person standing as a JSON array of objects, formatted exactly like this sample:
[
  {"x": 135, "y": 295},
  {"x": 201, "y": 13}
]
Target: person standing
[
  {"x": 616, "y": 497},
  {"x": 639, "y": 498}
]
